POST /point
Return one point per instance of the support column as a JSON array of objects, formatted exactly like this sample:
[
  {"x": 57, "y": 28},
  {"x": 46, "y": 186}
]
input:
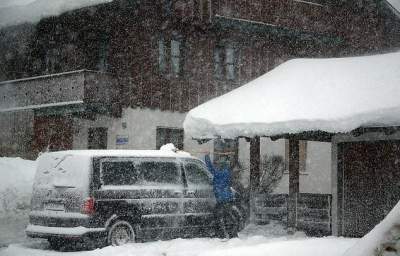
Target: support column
[
  {"x": 255, "y": 156},
  {"x": 294, "y": 156}
]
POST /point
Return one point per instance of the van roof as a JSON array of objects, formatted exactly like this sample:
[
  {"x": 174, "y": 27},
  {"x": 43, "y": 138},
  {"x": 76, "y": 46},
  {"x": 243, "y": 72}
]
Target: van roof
[{"x": 124, "y": 153}]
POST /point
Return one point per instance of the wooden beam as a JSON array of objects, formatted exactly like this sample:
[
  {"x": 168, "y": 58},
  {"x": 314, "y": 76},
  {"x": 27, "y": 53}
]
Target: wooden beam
[
  {"x": 294, "y": 165},
  {"x": 255, "y": 157}
]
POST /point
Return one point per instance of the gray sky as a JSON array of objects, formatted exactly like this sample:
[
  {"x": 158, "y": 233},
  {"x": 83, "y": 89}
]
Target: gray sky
[
  {"x": 395, "y": 4},
  {"x": 6, "y": 3},
  {"x": 18, "y": 11}
]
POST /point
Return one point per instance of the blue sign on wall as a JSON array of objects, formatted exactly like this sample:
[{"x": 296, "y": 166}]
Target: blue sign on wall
[{"x": 122, "y": 140}]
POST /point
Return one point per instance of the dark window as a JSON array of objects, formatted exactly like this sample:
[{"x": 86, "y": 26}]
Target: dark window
[
  {"x": 197, "y": 175},
  {"x": 159, "y": 172},
  {"x": 218, "y": 63},
  {"x": 103, "y": 53},
  {"x": 167, "y": 135},
  {"x": 176, "y": 57},
  {"x": 97, "y": 138},
  {"x": 170, "y": 56},
  {"x": 119, "y": 173},
  {"x": 162, "y": 60},
  {"x": 230, "y": 62},
  {"x": 225, "y": 62},
  {"x": 167, "y": 7}
]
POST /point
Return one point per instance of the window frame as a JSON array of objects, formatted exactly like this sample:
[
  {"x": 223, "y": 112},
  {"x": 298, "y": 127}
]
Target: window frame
[
  {"x": 136, "y": 161},
  {"x": 202, "y": 166},
  {"x": 170, "y": 59},
  {"x": 169, "y": 129}
]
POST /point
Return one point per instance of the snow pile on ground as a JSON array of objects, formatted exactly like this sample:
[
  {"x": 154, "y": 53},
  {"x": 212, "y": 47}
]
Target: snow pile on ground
[
  {"x": 332, "y": 95},
  {"x": 16, "y": 180},
  {"x": 385, "y": 235},
  {"x": 269, "y": 240}
]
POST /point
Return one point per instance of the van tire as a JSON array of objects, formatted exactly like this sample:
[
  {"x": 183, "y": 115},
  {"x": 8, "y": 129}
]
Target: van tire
[{"x": 120, "y": 233}]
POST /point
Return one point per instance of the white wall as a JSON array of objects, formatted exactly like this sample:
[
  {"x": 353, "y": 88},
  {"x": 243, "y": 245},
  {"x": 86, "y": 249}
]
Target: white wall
[
  {"x": 141, "y": 131},
  {"x": 316, "y": 178},
  {"x": 141, "y": 125}
]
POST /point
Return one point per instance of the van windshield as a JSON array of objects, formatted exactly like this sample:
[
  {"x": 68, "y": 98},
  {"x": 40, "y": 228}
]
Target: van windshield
[{"x": 143, "y": 172}]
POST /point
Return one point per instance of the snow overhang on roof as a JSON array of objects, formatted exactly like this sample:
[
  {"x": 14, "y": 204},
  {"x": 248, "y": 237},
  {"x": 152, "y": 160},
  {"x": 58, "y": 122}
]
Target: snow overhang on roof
[{"x": 301, "y": 95}]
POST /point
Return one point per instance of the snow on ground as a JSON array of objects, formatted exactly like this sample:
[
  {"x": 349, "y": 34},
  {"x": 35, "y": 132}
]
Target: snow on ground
[
  {"x": 269, "y": 240},
  {"x": 15, "y": 194},
  {"x": 333, "y": 95}
]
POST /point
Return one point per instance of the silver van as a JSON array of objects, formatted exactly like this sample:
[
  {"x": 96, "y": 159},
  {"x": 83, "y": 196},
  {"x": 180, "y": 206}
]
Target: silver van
[{"x": 120, "y": 196}]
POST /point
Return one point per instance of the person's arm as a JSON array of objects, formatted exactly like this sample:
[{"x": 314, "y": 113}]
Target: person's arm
[{"x": 210, "y": 166}]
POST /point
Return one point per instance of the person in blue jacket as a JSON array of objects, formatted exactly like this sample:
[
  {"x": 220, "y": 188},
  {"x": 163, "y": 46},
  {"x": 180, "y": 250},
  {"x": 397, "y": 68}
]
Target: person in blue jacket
[{"x": 223, "y": 194}]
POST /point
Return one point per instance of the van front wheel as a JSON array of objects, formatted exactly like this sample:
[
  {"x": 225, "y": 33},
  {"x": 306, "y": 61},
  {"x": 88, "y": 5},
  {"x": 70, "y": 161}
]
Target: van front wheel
[{"x": 121, "y": 232}]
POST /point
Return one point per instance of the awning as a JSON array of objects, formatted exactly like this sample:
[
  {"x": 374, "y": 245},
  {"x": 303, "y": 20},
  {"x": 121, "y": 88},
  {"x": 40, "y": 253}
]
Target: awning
[{"x": 302, "y": 95}]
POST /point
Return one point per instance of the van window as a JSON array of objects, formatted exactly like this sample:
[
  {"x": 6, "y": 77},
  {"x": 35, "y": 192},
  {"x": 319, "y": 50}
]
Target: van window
[
  {"x": 196, "y": 175},
  {"x": 139, "y": 172},
  {"x": 119, "y": 173},
  {"x": 159, "y": 172}
]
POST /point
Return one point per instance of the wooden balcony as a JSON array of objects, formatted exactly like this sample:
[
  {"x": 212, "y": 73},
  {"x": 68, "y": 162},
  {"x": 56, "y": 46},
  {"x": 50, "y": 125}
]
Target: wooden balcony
[{"x": 79, "y": 91}]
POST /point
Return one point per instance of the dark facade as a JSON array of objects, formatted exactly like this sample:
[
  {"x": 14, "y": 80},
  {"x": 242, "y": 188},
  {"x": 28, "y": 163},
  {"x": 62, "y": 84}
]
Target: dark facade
[
  {"x": 179, "y": 54},
  {"x": 175, "y": 55}
]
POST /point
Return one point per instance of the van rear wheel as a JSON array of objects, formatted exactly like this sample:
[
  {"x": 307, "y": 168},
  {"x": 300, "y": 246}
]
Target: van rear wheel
[{"x": 120, "y": 233}]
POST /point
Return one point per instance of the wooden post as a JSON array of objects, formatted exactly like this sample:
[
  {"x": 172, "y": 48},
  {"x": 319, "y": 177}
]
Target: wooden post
[
  {"x": 294, "y": 156},
  {"x": 255, "y": 157}
]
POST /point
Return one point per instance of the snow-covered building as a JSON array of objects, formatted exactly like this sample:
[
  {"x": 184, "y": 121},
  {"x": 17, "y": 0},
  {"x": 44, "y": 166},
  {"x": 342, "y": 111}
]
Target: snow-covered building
[
  {"x": 350, "y": 102},
  {"x": 156, "y": 60},
  {"x": 161, "y": 59}
]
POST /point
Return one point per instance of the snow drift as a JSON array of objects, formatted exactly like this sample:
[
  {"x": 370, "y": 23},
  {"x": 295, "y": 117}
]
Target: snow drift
[
  {"x": 15, "y": 184},
  {"x": 332, "y": 95}
]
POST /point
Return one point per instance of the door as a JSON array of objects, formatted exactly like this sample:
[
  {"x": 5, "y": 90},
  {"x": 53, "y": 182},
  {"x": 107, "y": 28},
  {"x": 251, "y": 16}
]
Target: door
[
  {"x": 199, "y": 200},
  {"x": 97, "y": 138},
  {"x": 52, "y": 133},
  {"x": 371, "y": 184},
  {"x": 149, "y": 187}
]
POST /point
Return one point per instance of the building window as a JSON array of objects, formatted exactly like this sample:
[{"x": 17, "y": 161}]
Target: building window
[
  {"x": 167, "y": 7},
  {"x": 175, "y": 57},
  {"x": 103, "y": 54},
  {"x": 97, "y": 138},
  {"x": 218, "y": 63},
  {"x": 224, "y": 62},
  {"x": 170, "y": 56},
  {"x": 162, "y": 61},
  {"x": 230, "y": 62},
  {"x": 167, "y": 135}
]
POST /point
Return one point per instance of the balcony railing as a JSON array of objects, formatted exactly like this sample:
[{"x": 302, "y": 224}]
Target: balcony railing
[{"x": 85, "y": 89}]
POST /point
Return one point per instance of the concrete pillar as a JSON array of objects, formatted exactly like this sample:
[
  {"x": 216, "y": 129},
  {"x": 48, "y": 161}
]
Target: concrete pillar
[
  {"x": 294, "y": 156},
  {"x": 255, "y": 157}
]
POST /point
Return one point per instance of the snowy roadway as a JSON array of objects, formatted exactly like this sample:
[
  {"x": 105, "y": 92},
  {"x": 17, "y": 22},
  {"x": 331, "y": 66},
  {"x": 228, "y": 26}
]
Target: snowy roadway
[{"x": 267, "y": 241}]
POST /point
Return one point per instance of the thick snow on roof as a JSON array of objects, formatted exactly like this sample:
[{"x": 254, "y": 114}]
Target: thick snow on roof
[{"x": 332, "y": 95}]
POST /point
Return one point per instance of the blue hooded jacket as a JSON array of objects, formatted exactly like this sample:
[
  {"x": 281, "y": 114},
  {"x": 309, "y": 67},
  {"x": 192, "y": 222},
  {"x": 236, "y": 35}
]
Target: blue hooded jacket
[{"x": 221, "y": 182}]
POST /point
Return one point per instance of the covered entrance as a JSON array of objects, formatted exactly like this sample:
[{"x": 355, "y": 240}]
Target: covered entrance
[{"x": 355, "y": 96}]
